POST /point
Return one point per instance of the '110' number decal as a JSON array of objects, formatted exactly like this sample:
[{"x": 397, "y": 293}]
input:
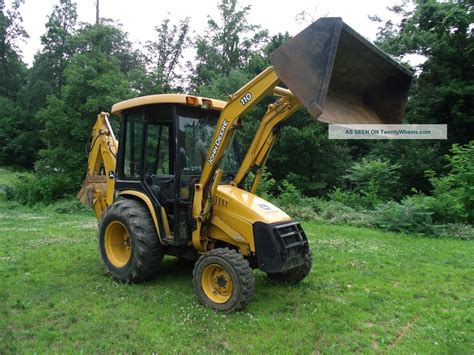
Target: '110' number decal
[{"x": 246, "y": 98}]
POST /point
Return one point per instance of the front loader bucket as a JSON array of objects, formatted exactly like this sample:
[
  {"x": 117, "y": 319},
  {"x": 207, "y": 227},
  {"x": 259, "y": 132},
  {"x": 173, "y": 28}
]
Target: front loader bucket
[{"x": 340, "y": 77}]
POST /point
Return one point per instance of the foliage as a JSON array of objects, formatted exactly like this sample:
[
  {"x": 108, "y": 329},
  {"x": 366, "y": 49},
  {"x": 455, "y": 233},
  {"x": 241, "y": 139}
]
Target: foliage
[
  {"x": 93, "y": 83},
  {"x": 12, "y": 69},
  {"x": 353, "y": 199},
  {"x": 164, "y": 55},
  {"x": 229, "y": 43},
  {"x": 374, "y": 178},
  {"x": 47, "y": 188},
  {"x": 69, "y": 205},
  {"x": 442, "y": 33},
  {"x": 414, "y": 158},
  {"x": 335, "y": 212},
  {"x": 222, "y": 86},
  {"x": 18, "y": 134},
  {"x": 409, "y": 216},
  {"x": 288, "y": 194},
  {"x": 455, "y": 190},
  {"x": 58, "y": 45},
  {"x": 13, "y": 74},
  {"x": 458, "y": 230},
  {"x": 307, "y": 158},
  {"x": 267, "y": 187}
]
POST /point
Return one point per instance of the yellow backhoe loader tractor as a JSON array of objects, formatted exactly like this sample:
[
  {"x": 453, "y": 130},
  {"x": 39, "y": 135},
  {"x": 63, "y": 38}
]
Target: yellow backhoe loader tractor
[{"x": 174, "y": 183}]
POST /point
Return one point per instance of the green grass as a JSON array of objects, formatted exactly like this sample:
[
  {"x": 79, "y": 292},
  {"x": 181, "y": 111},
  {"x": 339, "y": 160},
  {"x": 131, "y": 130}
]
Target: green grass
[
  {"x": 7, "y": 176},
  {"x": 368, "y": 291}
]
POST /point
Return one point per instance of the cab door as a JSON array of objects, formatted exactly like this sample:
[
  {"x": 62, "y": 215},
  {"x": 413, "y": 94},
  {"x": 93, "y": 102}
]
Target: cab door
[{"x": 146, "y": 159}]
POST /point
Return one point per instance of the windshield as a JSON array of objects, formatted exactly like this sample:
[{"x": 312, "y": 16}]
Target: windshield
[{"x": 196, "y": 128}]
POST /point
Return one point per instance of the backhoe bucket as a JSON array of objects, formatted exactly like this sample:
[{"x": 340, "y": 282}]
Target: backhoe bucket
[{"x": 340, "y": 77}]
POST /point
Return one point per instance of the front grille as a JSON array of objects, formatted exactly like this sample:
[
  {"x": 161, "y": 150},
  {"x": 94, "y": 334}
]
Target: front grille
[
  {"x": 293, "y": 238},
  {"x": 280, "y": 246}
]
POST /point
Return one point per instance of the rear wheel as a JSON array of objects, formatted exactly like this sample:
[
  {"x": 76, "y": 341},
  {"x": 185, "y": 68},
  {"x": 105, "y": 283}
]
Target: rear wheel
[
  {"x": 296, "y": 274},
  {"x": 128, "y": 242},
  {"x": 223, "y": 280}
]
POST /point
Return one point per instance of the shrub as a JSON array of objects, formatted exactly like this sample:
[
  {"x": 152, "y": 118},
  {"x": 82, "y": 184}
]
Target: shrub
[
  {"x": 69, "y": 206},
  {"x": 444, "y": 208},
  {"x": 454, "y": 193},
  {"x": 288, "y": 194},
  {"x": 375, "y": 179},
  {"x": 301, "y": 212},
  {"x": 267, "y": 185},
  {"x": 458, "y": 230},
  {"x": 32, "y": 189},
  {"x": 410, "y": 216},
  {"x": 337, "y": 213},
  {"x": 358, "y": 201}
]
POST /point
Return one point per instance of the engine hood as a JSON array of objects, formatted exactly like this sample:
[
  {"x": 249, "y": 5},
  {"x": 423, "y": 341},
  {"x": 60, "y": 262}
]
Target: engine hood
[{"x": 246, "y": 206}]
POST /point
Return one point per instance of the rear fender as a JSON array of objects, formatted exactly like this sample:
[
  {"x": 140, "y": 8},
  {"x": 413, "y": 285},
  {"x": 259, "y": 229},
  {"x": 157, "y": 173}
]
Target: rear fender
[{"x": 136, "y": 195}]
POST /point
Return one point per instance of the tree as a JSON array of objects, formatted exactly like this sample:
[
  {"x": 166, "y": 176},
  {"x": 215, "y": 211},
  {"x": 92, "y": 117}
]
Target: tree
[
  {"x": 94, "y": 80},
  {"x": 442, "y": 89},
  {"x": 47, "y": 73},
  {"x": 57, "y": 41},
  {"x": 306, "y": 158},
  {"x": 19, "y": 136},
  {"x": 442, "y": 93},
  {"x": 15, "y": 132},
  {"x": 229, "y": 43},
  {"x": 12, "y": 69},
  {"x": 164, "y": 55}
]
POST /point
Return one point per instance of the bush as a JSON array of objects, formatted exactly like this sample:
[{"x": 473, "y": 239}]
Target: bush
[
  {"x": 32, "y": 189},
  {"x": 288, "y": 195},
  {"x": 266, "y": 187},
  {"x": 444, "y": 208},
  {"x": 355, "y": 200},
  {"x": 375, "y": 179},
  {"x": 301, "y": 212},
  {"x": 410, "y": 216},
  {"x": 454, "y": 193},
  {"x": 69, "y": 206},
  {"x": 458, "y": 230},
  {"x": 337, "y": 213}
]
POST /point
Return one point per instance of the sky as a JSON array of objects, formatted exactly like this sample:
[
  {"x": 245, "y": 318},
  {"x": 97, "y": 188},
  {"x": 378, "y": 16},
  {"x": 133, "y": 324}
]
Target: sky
[{"x": 139, "y": 17}]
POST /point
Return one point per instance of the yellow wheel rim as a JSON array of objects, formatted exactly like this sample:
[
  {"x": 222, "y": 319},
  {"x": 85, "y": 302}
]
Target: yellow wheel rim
[
  {"x": 217, "y": 283},
  {"x": 117, "y": 244}
]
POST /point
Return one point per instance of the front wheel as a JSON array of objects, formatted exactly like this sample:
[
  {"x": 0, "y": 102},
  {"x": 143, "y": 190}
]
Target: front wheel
[
  {"x": 223, "y": 280},
  {"x": 296, "y": 274}
]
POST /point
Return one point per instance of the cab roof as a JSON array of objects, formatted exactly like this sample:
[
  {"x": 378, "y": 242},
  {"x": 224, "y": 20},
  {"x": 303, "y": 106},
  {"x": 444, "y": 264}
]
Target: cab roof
[{"x": 189, "y": 100}]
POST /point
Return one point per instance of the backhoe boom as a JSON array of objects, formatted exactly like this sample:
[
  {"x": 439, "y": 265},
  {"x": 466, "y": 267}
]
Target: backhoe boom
[{"x": 98, "y": 188}]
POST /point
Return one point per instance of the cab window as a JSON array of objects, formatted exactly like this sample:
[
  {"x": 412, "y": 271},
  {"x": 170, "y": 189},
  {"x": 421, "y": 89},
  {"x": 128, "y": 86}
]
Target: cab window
[{"x": 133, "y": 144}]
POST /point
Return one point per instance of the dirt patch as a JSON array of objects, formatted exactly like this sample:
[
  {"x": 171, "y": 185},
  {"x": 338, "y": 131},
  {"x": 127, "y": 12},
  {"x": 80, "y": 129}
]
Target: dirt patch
[{"x": 403, "y": 332}]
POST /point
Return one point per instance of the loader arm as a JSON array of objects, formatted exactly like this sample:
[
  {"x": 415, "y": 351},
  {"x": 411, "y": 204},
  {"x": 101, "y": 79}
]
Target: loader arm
[
  {"x": 98, "y": 188},
  {"x": 265, "y": 136},
  {"x": 239, "y": 103}
]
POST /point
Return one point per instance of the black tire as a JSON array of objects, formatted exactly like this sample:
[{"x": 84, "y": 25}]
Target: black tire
[
  {"x": 145, "y": 248},
  {"x": 239, "y": 271},
  {"x": 294, "y": 275}
]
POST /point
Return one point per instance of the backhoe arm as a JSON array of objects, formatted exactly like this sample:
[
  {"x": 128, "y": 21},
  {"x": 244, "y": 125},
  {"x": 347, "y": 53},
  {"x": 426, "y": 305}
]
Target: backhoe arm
[{"x": 98, "y": 188}]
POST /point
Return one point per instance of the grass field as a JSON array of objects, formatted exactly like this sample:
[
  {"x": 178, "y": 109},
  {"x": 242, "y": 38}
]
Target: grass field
[
  {"x": 7, "y": 177},
  {"x": 368, "y": 291}
]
